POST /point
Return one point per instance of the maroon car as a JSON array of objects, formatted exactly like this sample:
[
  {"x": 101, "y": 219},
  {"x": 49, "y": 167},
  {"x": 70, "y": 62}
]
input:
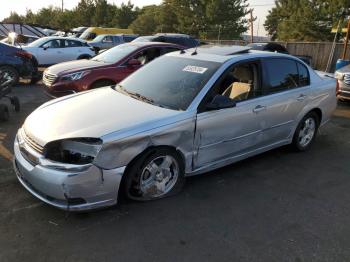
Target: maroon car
[{"x": 107, "y": 68}]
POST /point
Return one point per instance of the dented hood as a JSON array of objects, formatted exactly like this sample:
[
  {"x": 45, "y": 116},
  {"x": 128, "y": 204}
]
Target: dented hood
[{"x": 93, "y": 114}]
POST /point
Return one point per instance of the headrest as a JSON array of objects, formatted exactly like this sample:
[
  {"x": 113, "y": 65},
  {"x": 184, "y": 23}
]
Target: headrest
[{"x": 243, "y": 73}]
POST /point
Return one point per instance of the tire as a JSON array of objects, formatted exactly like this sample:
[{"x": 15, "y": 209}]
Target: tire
[
  {"x": 146, "y": 179},
  {"x": 12, "y": 73},
  {"x": 101, "y": 83},
  {"x": 4, "y": 113},
  {"x": 15, "y": 102},
  {"x": 306, "y": 132}
]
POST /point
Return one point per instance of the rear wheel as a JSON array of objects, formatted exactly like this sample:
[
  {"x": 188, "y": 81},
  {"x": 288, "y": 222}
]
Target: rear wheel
[
  {"x": 4, "y": 113},
  {"x": 15, "y": 102},
  {"x": 10, "y": 74},
  {"x": 306, "y": 132},
  {"x": 156, "y": 175}
]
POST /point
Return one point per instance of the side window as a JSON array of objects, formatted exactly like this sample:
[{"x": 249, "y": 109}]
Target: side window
[
  {"x": 108, "y": 39},
  {"x": 304, "y": 78},
  {"x": 51, "y": 44},
  {"x": 147, "y": 55},
  {"x": 239, "y": 83},
  {"x": 116, "y": 39},
  {"x": 166, "y": 50},
  {"x": 282, "y": 74},
  {"x": 128, "y": 39},
  {"x": 72, "y": 43}
]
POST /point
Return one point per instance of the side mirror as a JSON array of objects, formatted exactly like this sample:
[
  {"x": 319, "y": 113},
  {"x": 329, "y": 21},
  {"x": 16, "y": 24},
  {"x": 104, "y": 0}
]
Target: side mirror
[
  {"x": 45, "y": 47},
  {"x": 220, "y": 102},
  {"x": 134, "y": 62}
]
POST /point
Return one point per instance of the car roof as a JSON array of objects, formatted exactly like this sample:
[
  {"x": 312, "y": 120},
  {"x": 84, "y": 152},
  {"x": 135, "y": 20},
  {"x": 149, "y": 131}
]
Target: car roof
[
  {"x": 142, "y": 44},
  {"x": 63, "y": 38},
  {"x": 222, "y": 54}
]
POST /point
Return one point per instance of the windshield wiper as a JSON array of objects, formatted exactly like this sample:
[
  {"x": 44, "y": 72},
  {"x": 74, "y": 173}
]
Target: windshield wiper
[{"x": 135, "y": 95}]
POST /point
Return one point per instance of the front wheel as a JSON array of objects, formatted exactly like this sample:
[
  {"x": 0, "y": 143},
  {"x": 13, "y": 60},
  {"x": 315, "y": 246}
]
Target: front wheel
[
  {"x": 154, "y": 176},
  {"x": 306, "y": 132}
]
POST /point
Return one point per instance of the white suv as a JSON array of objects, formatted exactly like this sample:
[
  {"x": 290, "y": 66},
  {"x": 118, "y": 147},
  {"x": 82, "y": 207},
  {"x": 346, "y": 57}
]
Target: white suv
[{"x": 53, "y": 50}]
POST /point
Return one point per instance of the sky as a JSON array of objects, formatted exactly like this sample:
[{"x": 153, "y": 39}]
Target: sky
[{"x": 261, "y": 8}]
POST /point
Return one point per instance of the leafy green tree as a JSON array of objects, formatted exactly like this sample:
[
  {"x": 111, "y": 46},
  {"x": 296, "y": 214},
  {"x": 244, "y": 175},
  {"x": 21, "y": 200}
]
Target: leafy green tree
[
  {"x": 147, "y": 21},
  {"x": 14, "y": 18},
  {"x": 125, "y": 15},
  {"x": 305, "y": 20}
]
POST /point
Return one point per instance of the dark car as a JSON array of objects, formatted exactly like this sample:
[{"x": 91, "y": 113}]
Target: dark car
[
  {"x": 16, "y": 63},
  {"x": 180, "y": 39},
  {"x": 275, "y": 47},
  {"x": 107, "y": 68}
]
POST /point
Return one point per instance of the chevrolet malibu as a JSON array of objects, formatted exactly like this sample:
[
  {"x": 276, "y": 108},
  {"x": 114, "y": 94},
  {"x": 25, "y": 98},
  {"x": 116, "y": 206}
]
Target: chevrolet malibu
[{"x": 183, "y": 114}]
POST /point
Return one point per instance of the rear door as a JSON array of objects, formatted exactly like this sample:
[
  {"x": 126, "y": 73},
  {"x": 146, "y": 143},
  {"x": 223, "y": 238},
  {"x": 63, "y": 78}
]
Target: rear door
[{"x": 286, "y": 91}]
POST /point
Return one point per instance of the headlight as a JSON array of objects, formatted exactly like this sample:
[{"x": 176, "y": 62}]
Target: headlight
[
  {"x": 74, "y": 76},
  {"x": 339, "y": 76},
  {"x": 79, "y": 151}
]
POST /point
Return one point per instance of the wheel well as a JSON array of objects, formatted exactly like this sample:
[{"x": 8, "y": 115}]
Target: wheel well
[
  {"x": 318, "y": 112},
  {"x": 144, "y": 154},
  {"x": 84, "y": 56},
  {"x": 104, "y": 81}
]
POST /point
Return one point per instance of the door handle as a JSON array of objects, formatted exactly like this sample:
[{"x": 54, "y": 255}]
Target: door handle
[
  {"x": 301, "y": 97},
  {"x": 259, "y": 108}
]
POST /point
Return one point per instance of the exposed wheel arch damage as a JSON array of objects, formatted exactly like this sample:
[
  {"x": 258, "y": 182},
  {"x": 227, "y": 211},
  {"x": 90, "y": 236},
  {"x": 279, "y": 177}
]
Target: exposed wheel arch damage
[{"x": 123, "y": 152}]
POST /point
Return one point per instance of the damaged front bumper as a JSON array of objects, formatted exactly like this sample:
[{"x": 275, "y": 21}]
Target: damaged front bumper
[{"x": 67, "y": 189}]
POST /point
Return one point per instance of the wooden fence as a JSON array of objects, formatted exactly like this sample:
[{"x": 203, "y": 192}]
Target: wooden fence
[{"x": 318, "y": 51}]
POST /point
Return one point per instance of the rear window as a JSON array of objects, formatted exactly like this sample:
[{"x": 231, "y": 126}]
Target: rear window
[{"x": 304, "y": 78}]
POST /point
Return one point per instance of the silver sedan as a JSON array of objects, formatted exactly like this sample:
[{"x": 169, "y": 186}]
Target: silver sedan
[{"x": 183, "y": 114}]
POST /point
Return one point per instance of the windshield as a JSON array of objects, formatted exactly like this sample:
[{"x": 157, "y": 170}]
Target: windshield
[
  {"x": 115, "y": 54},
  {"x": 98, "y": 38},
  {"x": 87, "y": 35},
  {"x": 171, "y": 82}
]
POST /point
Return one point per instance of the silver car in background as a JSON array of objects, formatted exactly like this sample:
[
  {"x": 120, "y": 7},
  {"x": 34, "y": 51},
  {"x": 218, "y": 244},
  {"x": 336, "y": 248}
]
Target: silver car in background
[
  {"x": 183, "y": 114},
  {"x": 343, "y": 76}
]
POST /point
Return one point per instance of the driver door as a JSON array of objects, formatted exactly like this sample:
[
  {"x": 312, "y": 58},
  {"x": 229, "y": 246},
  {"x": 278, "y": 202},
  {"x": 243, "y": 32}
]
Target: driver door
[
  {"x": 225, "y": 134},
  {"x": 52, "y": 53}
]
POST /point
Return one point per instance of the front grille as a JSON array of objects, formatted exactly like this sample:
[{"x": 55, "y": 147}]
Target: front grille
[
  {"x": 32, "y": 144},
  {"x": 49, "y": 79},
  {"x": 347, "y": 79}
]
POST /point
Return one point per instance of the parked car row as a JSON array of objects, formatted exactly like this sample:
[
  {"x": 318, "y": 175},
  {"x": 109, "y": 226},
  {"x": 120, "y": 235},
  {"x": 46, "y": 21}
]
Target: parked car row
[{"x": 180, "y": 114}]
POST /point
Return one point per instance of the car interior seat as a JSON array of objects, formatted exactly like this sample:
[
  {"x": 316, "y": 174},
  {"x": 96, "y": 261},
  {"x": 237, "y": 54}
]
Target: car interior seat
[{"x": 240, "y": 89}]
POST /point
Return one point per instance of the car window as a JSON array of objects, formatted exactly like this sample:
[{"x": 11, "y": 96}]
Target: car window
[
  {"x": 108, "y": 39},
  {"x": 304, "y": 78},
  {"x": 72, "y": 43},
  {"x": 115, "y": 54},
  {"x": 282, "y": 74},
  {"x": 239, "y": 83},
  {"x": 146, "y": 56},
  {"x": 171, "y": 82},
  {"x": 166, "y": 50},
  {"x": 128, "y": 39},
  {"x": 116, "y": 39},
  {"x": 52, "y": 44}
]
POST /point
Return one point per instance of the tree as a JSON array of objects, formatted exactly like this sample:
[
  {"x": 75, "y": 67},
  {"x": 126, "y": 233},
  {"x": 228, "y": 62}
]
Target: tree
[
  {"x": 147, "y": 22},
  {"x": 84, "y": 12},
  {"x": 305, "y": 20},
  {"x": 14, "y": 18},
  {"x": 125, "y": 15}
]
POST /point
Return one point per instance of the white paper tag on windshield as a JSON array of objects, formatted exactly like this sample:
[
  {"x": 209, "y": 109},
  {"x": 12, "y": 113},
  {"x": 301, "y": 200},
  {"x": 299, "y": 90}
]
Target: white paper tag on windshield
[{"x": 195, "y": 69}]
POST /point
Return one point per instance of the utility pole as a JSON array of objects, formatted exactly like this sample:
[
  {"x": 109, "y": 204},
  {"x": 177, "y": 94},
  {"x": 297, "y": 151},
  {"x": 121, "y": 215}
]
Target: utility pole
[
  {"x": 62, "y": 5},
  {"x": 251, "y": 26},
  {"x": 219, "y": 34},
  {"x": 346, "y": 41}
]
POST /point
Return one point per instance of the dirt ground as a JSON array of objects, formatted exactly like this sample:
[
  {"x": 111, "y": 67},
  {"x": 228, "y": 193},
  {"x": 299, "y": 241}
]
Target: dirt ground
[{"x": 279, "y": 206}]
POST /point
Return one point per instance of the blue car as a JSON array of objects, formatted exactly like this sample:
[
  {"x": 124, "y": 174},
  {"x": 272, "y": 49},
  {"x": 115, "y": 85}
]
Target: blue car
[{"x": 16, "y": 63}]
